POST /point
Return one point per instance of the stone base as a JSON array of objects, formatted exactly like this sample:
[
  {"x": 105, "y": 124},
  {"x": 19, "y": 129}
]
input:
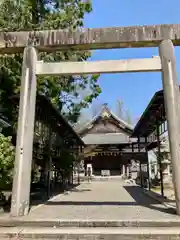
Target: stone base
[
  {"x": 90, "y": 233},
  {"x": 58, "y": 223},
  {"x": 167, "y": 181}
]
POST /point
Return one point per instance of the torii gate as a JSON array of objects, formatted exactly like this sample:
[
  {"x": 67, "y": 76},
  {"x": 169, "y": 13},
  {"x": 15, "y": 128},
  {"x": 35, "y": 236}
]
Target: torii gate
[{"x": 162, "y": 36}]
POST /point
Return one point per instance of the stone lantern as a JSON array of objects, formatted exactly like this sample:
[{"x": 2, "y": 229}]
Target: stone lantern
[{"x": 165, "y": 161}]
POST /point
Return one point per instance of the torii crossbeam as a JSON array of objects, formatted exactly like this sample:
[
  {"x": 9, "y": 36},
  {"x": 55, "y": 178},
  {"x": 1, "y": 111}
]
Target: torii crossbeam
[{"x": 90, "y": 38}]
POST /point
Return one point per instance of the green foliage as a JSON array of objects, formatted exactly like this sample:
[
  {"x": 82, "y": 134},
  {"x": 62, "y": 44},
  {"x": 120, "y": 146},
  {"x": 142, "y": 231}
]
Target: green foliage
[
  {"x": 64, "y": 91},
  {"x": 7, "y": 155},
  {"x": 67, "y": 160}
]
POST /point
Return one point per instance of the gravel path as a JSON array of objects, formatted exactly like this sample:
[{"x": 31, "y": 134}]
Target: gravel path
[{"x": 111, "y": 200}]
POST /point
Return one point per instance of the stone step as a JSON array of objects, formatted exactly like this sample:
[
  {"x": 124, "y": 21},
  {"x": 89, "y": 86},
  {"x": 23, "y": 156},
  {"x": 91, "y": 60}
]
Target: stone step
[
  {"x": 90, "y": 233},
  {"x": 110, "y": 178},
  {"x": 59, "y": 223}
]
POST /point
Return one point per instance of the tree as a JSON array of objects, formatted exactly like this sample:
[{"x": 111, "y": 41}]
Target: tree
[
  {"x": 122, "y": 113},
  {"x": 87, "y": 115},
  {"x": 83, "y": 119},
  {"x": 119, "y": 109},
  {"x": 64, "y": 91},
  {"x": 128, "y": 117}
]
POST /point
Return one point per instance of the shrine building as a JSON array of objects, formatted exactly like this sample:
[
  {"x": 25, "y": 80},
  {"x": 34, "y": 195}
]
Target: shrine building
[{"x": 111, "y": 147}]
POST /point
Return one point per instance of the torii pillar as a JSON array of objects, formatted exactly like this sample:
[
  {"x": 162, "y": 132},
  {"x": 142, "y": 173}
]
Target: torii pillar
[
  {"x": 171, "y": 99},
  {"x": 25, "y": 133}
]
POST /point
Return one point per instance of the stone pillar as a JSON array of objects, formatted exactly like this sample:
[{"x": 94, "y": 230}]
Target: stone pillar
[
  {"x": 150, "y": 169},
  {"x": 123, "y": 170},
  {"x": 89, "y": 165},
  {"x": 155, "y": 169},
  {"x": 25, "y": 134},
  {"x": 171, "y": 99},
  {"x": 166, "y": 171}
]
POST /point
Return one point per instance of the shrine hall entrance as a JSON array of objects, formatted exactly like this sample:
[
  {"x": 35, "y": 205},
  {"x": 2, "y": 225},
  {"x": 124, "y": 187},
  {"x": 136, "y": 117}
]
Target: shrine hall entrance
[
  {"x": 119, "y": 165},
  {"x": 111, "y": 165}
]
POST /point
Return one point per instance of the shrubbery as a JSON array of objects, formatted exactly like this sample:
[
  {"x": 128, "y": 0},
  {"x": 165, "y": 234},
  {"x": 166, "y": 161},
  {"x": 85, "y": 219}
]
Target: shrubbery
[{"x": 7, "y": 155}]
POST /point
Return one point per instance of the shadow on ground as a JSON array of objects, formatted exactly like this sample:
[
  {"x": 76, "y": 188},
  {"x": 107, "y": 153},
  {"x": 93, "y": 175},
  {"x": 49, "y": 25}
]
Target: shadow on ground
[
  {"x": 39, "y": 196},
  {"x": 146, "y": 201},
  {"x": 140, "y": 199}
]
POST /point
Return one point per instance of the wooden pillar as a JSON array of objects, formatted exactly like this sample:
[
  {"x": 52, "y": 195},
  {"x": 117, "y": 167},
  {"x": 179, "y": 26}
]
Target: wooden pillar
[
  {"x": 49, "y": 164},
  {"x": 85, "y": 166},
  {"x": 171, "y": 99},
  {"x": 49, "y": 177},
  {"x": 25, "y": 134},
  {"x": 123, "y": 170},
  {"x": 149, "y": 179},
  {"x": 130, "y": 173},
  {"x": 78, "y": 174},
  {"x": 140, "y": 170},
  {"x": 159, "y": 161},
  {"x": 126, "y": 171},
  {"x": 148, "y": 168}
]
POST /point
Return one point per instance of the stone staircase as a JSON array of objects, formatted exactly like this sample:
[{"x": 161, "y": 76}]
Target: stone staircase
[{"x": 89, "y": 230}]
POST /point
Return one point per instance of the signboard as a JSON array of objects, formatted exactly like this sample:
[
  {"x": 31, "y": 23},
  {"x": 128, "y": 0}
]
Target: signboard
[{"x": 105, "y": 172}]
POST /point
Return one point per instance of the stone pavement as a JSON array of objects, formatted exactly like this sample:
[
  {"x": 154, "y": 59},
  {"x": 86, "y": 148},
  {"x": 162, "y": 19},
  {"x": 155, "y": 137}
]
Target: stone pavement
[{"x": 110, "y": 200}]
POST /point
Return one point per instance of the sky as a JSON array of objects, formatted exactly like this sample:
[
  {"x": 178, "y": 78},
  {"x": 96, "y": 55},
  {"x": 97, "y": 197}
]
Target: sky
[{"x": 135, "y": 89}]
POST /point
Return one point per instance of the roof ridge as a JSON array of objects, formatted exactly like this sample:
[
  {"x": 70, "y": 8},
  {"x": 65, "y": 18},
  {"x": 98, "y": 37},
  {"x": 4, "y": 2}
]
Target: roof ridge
[
  {"x": 92, "y": 120},
  {"x": 121, "y": 120},
  {"x": 105, "y": 107}
]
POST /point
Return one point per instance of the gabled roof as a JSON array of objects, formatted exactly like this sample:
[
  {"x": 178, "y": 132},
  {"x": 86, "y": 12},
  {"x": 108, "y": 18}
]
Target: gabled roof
[
  {"x": 61, "y": 123},
  {"x": 105, "y": 110},
  {"x": 154, "y": 112}
]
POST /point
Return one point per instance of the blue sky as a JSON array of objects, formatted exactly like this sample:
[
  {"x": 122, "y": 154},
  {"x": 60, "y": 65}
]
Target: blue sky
[{"x": 135, "y": 89}]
